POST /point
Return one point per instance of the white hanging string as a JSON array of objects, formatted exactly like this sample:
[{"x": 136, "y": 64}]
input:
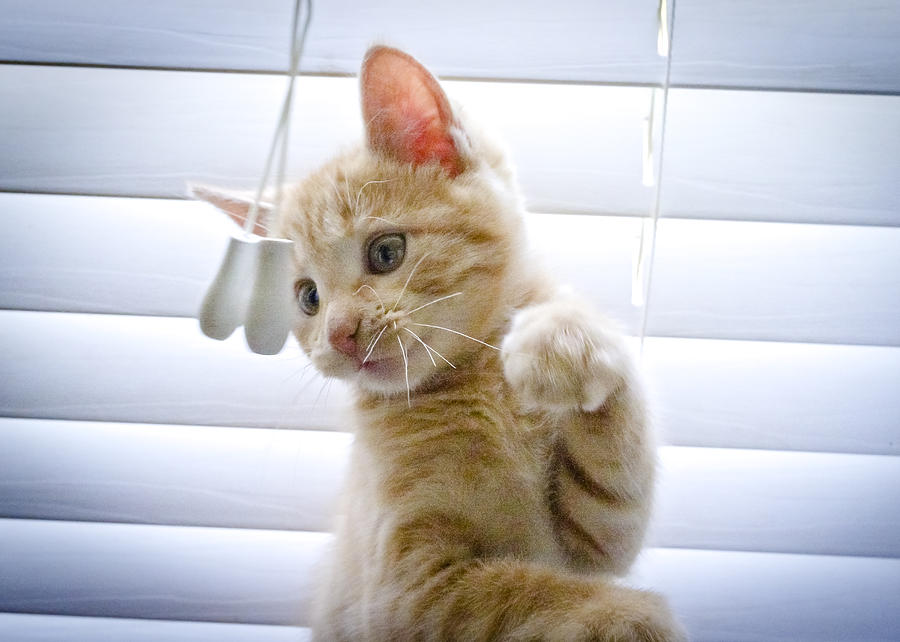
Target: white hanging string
[
  {"x": 645, "y": 262},
  {"x": 662, "y": 38},
  {"x": 282, "y": 130}
]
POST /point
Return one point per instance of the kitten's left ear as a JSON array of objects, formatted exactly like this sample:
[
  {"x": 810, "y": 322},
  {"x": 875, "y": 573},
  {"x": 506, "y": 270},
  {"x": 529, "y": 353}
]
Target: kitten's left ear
[
  {"x": 406, "y": 113},
  {"x": 235, "y": 204}
]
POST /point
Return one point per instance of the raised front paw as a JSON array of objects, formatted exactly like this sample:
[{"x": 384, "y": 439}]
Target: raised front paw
[
  {"x": 560, "y": 356},
  {"x": 638, "y": 616}
]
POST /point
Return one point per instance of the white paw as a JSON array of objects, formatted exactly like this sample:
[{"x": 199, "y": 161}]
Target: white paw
[{"x": 560, "y": 356}]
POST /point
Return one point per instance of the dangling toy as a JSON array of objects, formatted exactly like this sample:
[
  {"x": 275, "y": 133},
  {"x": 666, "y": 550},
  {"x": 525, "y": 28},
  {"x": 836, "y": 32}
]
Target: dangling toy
[{"x": 253, "y": 286}]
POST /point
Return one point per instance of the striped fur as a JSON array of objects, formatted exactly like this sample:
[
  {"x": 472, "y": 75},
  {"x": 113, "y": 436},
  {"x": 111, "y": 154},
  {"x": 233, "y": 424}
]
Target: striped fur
[{"x": 491, "y": 499}]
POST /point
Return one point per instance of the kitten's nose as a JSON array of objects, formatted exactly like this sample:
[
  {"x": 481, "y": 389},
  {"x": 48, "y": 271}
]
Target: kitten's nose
[{"x": 342, "y": 335}]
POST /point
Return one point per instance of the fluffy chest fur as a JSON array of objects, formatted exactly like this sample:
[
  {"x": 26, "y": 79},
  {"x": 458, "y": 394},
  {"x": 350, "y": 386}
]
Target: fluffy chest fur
[
  {"x": 467, "y": 451},
  {"x": 461, "y": 468}
]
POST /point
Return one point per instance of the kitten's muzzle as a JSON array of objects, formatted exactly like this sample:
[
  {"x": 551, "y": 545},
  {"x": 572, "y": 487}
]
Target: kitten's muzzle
[{"x": 342, "y": 335}]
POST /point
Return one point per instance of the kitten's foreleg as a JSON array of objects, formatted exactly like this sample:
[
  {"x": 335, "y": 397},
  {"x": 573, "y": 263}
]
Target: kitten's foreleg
[
  {"x": 567, "y": 362},
  {"x": 445, "y": 593}
]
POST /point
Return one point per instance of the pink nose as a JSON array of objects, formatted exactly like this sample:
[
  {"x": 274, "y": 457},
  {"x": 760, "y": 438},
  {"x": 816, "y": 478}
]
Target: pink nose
[{"x": 342, "y": 335}]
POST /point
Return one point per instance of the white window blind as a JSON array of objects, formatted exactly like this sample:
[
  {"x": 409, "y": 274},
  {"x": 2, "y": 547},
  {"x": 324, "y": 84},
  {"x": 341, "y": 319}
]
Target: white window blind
[{"x": 158, "y": 485}]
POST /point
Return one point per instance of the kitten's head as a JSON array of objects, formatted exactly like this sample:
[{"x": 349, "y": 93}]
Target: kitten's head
[{"x": 419, "y": 227}]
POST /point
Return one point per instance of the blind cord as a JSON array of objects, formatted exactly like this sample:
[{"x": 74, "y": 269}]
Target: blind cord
[
  {"x": 667, "y": 32},
  {"x": 282, "y": 130}
]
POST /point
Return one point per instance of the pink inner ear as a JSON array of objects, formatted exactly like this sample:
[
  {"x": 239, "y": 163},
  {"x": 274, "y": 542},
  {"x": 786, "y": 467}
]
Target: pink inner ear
[{"x": 406, "y": 112}]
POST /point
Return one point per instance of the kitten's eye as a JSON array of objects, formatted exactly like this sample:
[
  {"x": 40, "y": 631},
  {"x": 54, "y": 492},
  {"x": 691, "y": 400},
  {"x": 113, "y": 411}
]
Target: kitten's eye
[
  {"x": 386, "y": 253},
  {"x": 307, "y": 296}
]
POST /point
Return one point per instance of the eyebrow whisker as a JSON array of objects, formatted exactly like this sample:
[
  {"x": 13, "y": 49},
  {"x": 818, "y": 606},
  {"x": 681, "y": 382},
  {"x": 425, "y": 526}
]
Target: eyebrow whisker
[
  {"x": 378, "y": 218},
  {"x": 365, "y": 185},
  {"x": 347, "y": 191},
  {"x": 366, "y": 285}
]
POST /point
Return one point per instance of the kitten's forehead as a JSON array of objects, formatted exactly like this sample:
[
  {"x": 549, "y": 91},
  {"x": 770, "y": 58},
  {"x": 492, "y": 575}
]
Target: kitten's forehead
[
  {"x": 321, "y": 212},
  {"x": 349, "y": 195},
  {"x": 358, "y": 194}
]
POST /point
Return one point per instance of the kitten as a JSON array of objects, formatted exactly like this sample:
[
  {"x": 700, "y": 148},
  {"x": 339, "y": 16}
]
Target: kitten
[{"x": 503, "y": 467}]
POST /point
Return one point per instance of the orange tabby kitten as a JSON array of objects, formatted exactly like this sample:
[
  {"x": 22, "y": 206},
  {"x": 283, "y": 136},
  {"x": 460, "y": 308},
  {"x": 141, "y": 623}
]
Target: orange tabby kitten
[{"x": 502, "y": 469}]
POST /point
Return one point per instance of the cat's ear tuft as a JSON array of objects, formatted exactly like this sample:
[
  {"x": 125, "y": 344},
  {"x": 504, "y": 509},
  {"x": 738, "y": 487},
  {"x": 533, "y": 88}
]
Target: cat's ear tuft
[
  {"x": 406, "y": 113},
  {"x": 236, "y": 204}
]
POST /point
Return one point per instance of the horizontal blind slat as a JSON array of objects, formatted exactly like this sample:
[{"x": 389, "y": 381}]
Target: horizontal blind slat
[
  {"x": 782, "y": 156},
  {"x": 780, "y": 502},
  {"x": 171, "y": 475},
  {"x": 791, "y": 502},
  {"x": 156, "y": 370},
  {"x": 798, "y": 44},
  {"x": 25, "y": 627},
  {"x": 158, "y": 572},
  {"x": 776, "y": 282},
  {"x": 750, "y": 597},
  {"x": 721, "y": 279},
  {"x": 579, "y": 41},
  {"x": 109, "y": 255},
  {"x": 790, "y": 396},
  {"x": 146, "y": 133},
  {"x": 171, "y": 573},
  {"x": 163, "y": 370},
  {"x": 157, "y": 256}
]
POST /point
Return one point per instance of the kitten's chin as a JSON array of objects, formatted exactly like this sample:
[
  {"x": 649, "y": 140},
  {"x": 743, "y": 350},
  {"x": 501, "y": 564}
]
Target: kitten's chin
[
  {"x": 384, "y": 377},
  {"x": 391, "y": 378}
]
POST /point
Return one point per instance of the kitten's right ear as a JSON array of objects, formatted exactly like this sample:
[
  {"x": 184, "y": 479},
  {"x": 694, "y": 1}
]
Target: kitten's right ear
[
  {"x": 236, "y": 204},
  {"x": 406, "y": 113}
]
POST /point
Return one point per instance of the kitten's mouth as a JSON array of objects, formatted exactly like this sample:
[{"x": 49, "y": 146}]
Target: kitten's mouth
[
  {"x": 375, "y": 366},
  {"x": 383, "y": 367}
]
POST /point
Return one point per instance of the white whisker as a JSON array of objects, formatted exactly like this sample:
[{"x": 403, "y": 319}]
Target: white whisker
[
  {"x": 301, "y": 372},
  {"x": 405, "y": 371},
  {"x": 321, "y": 390},
  {"x": 375, "y": 338},
  {"x": 443, "y": 298},
  {"x": 430, "y": 350},
  {"x": 366, "y": 285},
  {"x": 438, "y": 327},
  {"x": 373, "y": 344},
  {"x": 424, "y": 345},
  {"x": 302, "y": 385},
  {"x": 408, "y": 279},
  {"x": 365, "y": 185},
  {"x": 347, "y": 192},
  {"x": 334, "y": 186},
  {"x": 378, "y": 218}
]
